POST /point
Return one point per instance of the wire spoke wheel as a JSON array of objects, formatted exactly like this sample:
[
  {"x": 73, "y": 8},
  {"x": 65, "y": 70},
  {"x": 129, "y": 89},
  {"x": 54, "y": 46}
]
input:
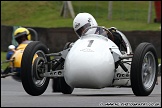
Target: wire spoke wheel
[
  {"x": 148, "y": 70},
  {"x": 33, "y": 66},
  {"x": 144, "y": 69}
]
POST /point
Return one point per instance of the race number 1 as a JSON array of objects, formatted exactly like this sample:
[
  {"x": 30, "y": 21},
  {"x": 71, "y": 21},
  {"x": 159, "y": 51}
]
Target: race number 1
[{"x": 90, "y": 43}]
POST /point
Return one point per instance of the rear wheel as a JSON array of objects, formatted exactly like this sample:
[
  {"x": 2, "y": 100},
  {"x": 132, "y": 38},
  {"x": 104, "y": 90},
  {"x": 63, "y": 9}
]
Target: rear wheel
[
  {"x": 33, "y": 66},
  {"x": 65, "y": 88},
  {"x": 59, "y": 84},
  {"x": 144, "y": 69}
]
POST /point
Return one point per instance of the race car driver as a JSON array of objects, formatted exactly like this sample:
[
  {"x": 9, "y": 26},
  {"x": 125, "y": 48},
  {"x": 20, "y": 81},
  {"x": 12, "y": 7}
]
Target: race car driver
[
  {"x": 84, "y": 20},
  {"x": 22, "y": 36}
]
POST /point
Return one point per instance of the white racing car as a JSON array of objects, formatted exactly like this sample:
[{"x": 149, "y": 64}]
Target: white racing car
[{"x": 93, "y": 61}]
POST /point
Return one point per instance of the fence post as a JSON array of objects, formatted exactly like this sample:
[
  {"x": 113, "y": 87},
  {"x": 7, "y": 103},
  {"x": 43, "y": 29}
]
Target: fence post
[
  {"x": 67, "y": 6},
  {"x": 110, "y": 10},
  {"x": 149, "y": 12}
]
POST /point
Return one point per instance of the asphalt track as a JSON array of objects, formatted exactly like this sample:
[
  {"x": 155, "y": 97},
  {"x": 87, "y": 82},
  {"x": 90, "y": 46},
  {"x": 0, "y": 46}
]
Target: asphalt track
[{"x": 13, "y": 95}]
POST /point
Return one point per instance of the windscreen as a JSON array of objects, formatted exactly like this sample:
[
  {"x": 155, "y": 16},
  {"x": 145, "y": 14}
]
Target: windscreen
[{"x": 101, "y": 31}]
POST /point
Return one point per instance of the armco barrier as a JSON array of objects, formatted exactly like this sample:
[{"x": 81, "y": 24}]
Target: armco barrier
[{"x": 56, "y": 38}]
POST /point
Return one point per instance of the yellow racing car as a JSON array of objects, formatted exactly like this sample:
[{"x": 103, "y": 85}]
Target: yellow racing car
[{"x": 14, "y": 67}]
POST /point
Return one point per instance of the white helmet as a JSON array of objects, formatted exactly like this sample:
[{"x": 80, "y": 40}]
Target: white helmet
[
  {"x": 82, "y": 21},
  {"x": 10, "y": 47}
]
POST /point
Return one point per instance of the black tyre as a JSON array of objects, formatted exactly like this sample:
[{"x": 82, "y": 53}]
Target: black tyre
[
  {"x": 59, "y": 84},
  {"x": 56, "y": 85},
  {"x": 144, "y": 69},
  {"x": 32, "y": 69},
  {"x": 65, "y": 88}
]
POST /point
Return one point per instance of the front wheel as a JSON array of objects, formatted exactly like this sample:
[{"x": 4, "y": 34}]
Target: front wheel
[
  {"x": 144, "y": 69},
  {"x": 33, "y": 67}
]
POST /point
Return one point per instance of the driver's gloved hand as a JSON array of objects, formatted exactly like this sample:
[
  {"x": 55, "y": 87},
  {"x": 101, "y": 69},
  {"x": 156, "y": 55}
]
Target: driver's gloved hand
[
  {"x": 117, "y": 36},
  {"x": 113, "y": 29}
]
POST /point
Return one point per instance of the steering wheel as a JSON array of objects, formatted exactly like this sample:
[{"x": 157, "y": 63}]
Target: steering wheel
[{"x": 35, "y": 33}]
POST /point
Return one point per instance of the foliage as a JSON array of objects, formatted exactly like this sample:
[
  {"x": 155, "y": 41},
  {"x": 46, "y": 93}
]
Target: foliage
[{"x": 47, "y": 14}]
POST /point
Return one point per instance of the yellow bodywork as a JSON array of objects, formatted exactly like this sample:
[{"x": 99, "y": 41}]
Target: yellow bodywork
[{"x": 17, "y": 56}]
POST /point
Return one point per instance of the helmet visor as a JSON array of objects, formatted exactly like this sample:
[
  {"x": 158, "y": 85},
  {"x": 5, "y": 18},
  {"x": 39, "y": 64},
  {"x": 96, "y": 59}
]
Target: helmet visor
[
  {"x": 21, "y": 34},
  {"x": 80, "y": 30}
]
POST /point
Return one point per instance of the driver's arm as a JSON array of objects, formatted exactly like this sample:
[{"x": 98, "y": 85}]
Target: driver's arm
[{"x": 117, "y": 37}]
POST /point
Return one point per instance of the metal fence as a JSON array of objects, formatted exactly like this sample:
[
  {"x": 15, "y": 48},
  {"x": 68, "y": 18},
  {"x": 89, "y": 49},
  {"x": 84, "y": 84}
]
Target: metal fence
[{"x": 121, "y": 10}]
